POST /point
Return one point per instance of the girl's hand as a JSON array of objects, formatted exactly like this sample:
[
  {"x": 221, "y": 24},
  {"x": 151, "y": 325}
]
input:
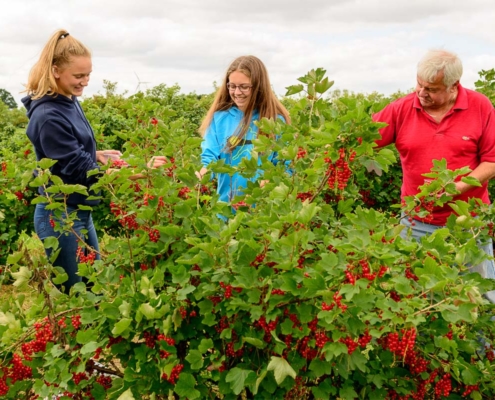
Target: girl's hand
[
  {"x": 157, "y": 161},
  {"x": 201, "y": 173},
  {"x": 104, "y": 156}
]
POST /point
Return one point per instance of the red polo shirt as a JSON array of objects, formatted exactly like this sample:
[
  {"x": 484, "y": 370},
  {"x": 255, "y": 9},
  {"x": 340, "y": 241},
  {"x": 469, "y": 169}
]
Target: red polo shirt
[{"x": 464, "y": 137}]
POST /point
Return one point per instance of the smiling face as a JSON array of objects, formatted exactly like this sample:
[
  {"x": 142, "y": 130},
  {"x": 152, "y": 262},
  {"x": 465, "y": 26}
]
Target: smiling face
[
  {"x": 240, "y": 98},
  {"x": 73, "y": 77},
  {"x": 435, "y": 95}
]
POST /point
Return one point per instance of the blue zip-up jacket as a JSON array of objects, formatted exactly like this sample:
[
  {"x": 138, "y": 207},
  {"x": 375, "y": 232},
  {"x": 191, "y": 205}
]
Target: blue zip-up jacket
[
  {"x": 223, "y": 125},
  {"x": 58, "y": 129}
]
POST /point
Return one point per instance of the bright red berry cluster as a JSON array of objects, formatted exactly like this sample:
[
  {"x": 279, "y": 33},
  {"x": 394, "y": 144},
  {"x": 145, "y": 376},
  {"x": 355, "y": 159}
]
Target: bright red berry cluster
[
  {"x": 85, "y": 257},
  {"x": 174, "y": 374},
  {"x": 183, "y": 192},
  {"x": 339, "y": 172},
  {"x": 301, "y": 153},
  {"x": 127, "y": 221}
]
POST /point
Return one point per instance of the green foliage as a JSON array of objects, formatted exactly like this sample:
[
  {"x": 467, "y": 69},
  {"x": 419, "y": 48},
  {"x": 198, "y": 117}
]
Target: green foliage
[
  {"x": 7, "y": 99},
  {"x": 305, "y": 291}
]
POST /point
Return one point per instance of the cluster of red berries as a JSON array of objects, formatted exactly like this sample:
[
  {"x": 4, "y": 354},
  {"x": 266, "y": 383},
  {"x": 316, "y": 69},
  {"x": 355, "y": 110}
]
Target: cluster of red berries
[
  {"x": 183, "y": 192},
  {"x": 239, "y": 204},
  {"x": 350, "y": 343},
  {"x": 230, "y": 352},
  {"x": 114, "y": 340},
  {"x": 321, "y": 339},
  {"x": 174, "y": 374},
  {"x": 278, "y": 291},
  {"x": 105, "y": 381},
  {"x": 149, "y": 339},
  {"x": 410, "y": 275},
  {"x": 306, "y": 352},
  {"x": 258, "y": 260},
  {"x": 364, "y": 339},
  {"x": 84, "y": 258},
  {"x": 170, "y": 341},
  {"x": 490, "y": 226},
  {"x": 154, "y": 121},
  {"x": 337, "y": 302},
  {"x": 19, "y": 195},
  {"x": 339, "y": 171},
  {"x": 78, "y": 377},
  {"x": 118, "y": 164},
  {"x": 127, "y": 221},
  {"x": 301, "y": 153},
  {"x": 170, "y": 170},
  {"x": 43, "y": 335},
  {"x": 76, "y": 321},
  {"x": 267, "y": 327},
  {"x": 398, "y": 345},
  {"x": 51, "y": 222},
  {"x": 367, "y": 199},
  {"x": 470, "y": 389},
  {"x": 17, "y": 372},
  {"x": 443, "y": 386},
  {"x": 365, "y": 272},
  {"x": 228, "y": 290},
  {"x": 427, "y": 206},
  {"x": 154, "y": 235},
  {"x": 304, "y": 196}
]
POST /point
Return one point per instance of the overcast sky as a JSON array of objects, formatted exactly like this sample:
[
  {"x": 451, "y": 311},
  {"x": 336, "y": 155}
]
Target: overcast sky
[{"x": 365, "y": 45}]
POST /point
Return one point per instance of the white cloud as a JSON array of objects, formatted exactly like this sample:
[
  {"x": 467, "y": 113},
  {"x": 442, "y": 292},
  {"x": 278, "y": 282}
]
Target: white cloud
[{"x": 365, "y": 45}]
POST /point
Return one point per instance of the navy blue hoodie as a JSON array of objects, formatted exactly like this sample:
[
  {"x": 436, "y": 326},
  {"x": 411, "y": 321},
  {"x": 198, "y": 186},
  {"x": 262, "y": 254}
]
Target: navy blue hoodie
[{"x": 58, "y": 129}]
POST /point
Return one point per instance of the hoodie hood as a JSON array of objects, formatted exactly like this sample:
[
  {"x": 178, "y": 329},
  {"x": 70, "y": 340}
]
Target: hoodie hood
[{"x": 31, "y": 104}]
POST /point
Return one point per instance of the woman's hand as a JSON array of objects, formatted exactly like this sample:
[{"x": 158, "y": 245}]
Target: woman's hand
[
  {"x": 201, "y": 173},
  {"x": 157, "y": 161},
  {"x": 104, "y": 156}
]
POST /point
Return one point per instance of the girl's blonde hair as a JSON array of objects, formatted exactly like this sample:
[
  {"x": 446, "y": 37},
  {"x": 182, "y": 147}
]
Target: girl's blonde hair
[
  {"x": 262, "y": 97},
  {"x": 58, "y": 51}
]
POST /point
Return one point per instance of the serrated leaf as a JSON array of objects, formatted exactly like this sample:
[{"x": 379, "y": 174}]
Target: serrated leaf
[
  {"x": 185, "y": 387},
  {"x": 127, "y": 395},
  {"x": 195, "y": 358},
  {"x": 281, "y": 368},
  {"x": 237, "y": 377}
]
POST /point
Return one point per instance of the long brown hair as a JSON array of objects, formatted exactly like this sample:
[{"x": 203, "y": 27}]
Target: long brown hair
[
  {"x": 262, "y": 97},
  {"x": 58, "y": 51}
]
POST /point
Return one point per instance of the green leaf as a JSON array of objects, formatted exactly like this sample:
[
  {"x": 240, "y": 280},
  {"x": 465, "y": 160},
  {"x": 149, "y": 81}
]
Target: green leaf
[
  {"x": 205, "y": 345},
  {"x": 84, "y": 337},
  {"x": 260, "y": 344},
  {"x": 281, "y": 368},
  {"x": 127, "y": 395},
  {"x": 294, "y": 89},
  {"x": 121, "y": 326},
  {"x": 89, "y": 348},
  {"x": 237, "y": 377},
  {"x": 348, "y": 393},
  {"x": 195, "y": 358},
  {"x": 185, "y": 387}
]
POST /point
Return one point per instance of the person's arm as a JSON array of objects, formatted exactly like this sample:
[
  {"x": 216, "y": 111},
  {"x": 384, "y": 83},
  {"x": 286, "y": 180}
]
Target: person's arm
[
  {"x": 483, "y": 172},
  {"x": 388, "y": 115},
  {"x": 210, "y": 149},
  {"x": 59, "y": 143}
]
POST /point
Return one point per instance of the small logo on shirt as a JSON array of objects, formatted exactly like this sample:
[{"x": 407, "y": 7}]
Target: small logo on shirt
[{"x": 466, "y": 138}]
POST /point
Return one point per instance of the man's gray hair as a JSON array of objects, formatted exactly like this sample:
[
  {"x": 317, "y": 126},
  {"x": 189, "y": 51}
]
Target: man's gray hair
[{"x": 438, "y": 60}]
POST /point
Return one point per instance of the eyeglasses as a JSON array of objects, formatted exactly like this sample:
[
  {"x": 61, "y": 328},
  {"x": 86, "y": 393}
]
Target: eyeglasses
[{"x": 242, "y": 88}]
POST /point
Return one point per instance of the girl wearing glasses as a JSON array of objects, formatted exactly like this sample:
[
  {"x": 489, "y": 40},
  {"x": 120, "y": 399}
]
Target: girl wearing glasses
[{"x": 228, "y": 129}]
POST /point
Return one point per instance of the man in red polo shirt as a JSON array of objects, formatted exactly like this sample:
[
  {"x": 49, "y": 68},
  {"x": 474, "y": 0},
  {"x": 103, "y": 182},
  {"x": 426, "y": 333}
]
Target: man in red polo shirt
[{"x": 442, "y": 119}]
